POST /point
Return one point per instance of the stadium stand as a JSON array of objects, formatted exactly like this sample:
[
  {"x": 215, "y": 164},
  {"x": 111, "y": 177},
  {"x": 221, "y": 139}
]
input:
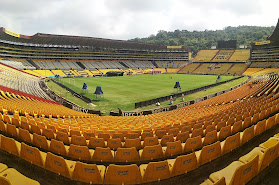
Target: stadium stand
[
  {"x": 220, "y": 62},
  {"x": 140, "y": 149},
  {"x": 197, "y": 116},
  {"x": 205, "y": 55},
  {"x": 19, "y": 80}
]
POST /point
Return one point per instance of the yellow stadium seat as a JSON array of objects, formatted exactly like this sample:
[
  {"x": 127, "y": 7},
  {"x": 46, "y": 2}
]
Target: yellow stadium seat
[
  {"x": 25, "y": 135},
  {"x": 250, "y": 168},
  {"x": 32, "y": 155},
  {"x": 3, "y": 126},
  {"x": 59, "y": 165},
  {"x": 103, "y": 155},
  {"x": 126, "y": 155},
  {"x": 271, "y": 149},
  {"x": 160, "y": 133},
  {"x": 48, "y": 133},
  {"x": 224, "y": 132},
  {"x": 114, "y": 143},
  {"x": 118, "y": 135},
  {"x": 260, "y": 127},
  {"x": 62, "y": 136},
  {"x": 237, "y": 126},
  {"x": 231, "y": 143},
  {"x": 12, "y": 177},
  {"x": 150, "y": 141},
  {"x": 11, "y": 129},
  {"x": 89, "y": 173},
  {"x": 270, "y": 122},
  {"x": 6, "y": 119},
  {"x": 75, "y": 133},
  {"x": 183, "y": 164},
  {"x": 10, "y": 145},
  {"x": 132, "y": 135},
  {"x": 247, "y": 134},
  {"x": 220, "y": 125},
  {"x": 78, "y": 140},
  {"x": 15, "y": 122},
  {"x": 105, "y": 136},
  {"x": 133, "y": 143},
  {"x": 236, "y": 173},
  {"x": 88, "y": 135},
  {"x": 58, "y": 147},
  {"x": 151, "y": 152},
  {"x": 255, "y": 118},
  {"x": 209, "y": 182},
  {"x": 80, "y": 152},
  {"x": 230, "y": 121},
  {"x": 173, "y": 148},
  {"x": 166, "y": 138},
  {"x": 155, "y": 171},
  {"x": 209, "y": 128},
  {"x": 210, "y": 137},
  {"x": 35, "y": 129},
  {"x": 186, "y": 129},
  {"x": 247, "y": 122},
  {"x": 197, "y": 132},
  {"x": 182, "y": 136},
  {"x": 193, "y": 144},
  {"x": 3, "y": 167},
  {"x": 96, "y": 142},
  {"x": 40, "y": 141},
  {"x": 198, "y": 126},
  {"x": 263, "y": 158},
  {"x": 128, "y": 174},
  {"x": 209, "y": 153},
  {"x": 173, "y": 131},
  {"x": 146, "y": 135},
  {"x": 24, "y": 124}
]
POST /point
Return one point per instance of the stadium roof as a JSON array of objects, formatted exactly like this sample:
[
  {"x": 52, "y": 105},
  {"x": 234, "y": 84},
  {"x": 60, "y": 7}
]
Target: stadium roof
[
  {"x": 74, "y": 41},
  {"x": 274, "y": 37}
]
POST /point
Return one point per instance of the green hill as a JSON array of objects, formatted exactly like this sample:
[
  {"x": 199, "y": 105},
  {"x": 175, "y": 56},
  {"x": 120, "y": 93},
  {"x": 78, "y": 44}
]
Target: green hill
[{"x": 197, "y": 40}]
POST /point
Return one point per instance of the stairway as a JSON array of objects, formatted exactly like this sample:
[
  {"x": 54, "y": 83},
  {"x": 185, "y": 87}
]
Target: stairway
[
  {"x": 123, "y": 64},
  {"x": 81, "y": 65},
  {"x": 33, "y": 64},
  {"x": 155, "y": 64}
]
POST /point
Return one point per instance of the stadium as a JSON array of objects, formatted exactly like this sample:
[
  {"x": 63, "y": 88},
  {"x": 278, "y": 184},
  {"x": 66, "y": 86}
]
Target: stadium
[{"x": 224, "y": 132}]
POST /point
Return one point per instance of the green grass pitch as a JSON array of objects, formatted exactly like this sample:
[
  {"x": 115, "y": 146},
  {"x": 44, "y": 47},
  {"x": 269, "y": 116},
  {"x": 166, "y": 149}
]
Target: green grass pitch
[{"x": 124, "y": 91}]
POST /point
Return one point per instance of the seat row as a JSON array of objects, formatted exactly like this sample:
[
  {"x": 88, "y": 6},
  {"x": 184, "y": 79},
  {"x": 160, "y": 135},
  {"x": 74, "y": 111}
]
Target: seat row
[
  {"x": 247, "y": 166},
  {"x": 131, "y": 174},
  {"x": 170, "y": 147},
  {"x": 11, "y": 176}
]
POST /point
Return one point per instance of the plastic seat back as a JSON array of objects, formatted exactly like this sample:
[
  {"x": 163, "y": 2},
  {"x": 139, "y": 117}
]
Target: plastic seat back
[
  {"x": 79, "y": 152},
  {"x": 96, "y": 142},
  {"x": 78, "y": 140},
  {"x": 89, "y": 173},
  {"x": 58, "y": 147},
  {"x": 155, "y": 171},
  {"x": 193, "y": 144},
  {"x": 103, "y": 155},
  {"x": 231, "y": 143},
  {"x": 184, "y": 164},
  {"x": 32, "y": 155},
  {"x": 62, "y": 136},
  {"x": 151, "y": 152},
  {"x": 128, "y": 174}
]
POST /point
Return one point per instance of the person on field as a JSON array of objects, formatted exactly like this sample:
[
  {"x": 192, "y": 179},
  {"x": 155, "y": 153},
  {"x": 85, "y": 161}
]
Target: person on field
[{"x": 119, "y": 112}]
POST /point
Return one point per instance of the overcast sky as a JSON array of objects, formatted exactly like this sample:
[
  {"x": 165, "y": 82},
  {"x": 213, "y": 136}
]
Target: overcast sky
[{"x": 127, "y": 19}]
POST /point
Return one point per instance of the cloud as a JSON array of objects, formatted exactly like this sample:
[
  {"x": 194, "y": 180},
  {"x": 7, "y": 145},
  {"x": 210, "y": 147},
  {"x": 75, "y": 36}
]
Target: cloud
[{"x": 126, "y": 19}]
